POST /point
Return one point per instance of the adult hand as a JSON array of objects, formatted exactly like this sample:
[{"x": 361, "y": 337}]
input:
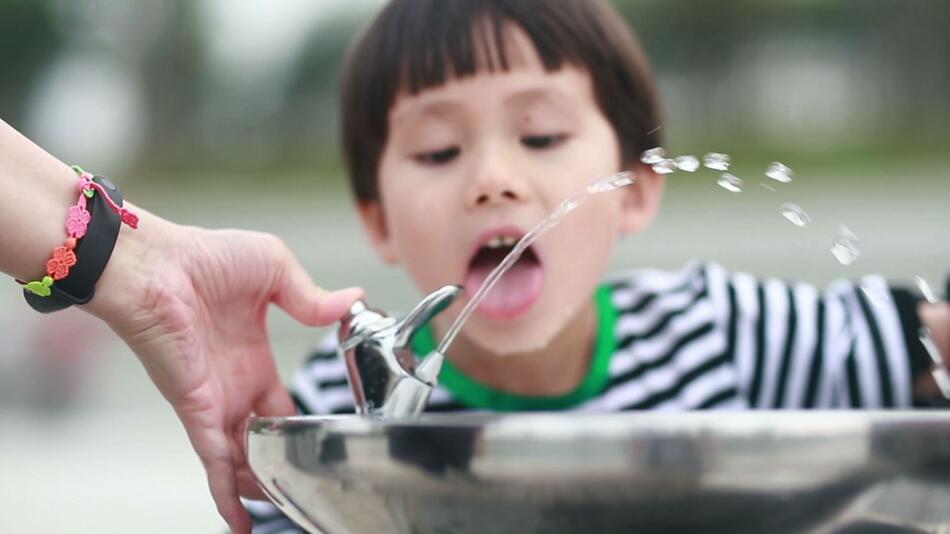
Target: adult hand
[{"x": 192, "y": 304}]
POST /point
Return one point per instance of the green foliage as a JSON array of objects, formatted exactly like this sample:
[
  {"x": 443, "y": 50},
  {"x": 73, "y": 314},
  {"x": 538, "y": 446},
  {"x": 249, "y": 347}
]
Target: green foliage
[
  {"x": 700, "y": 41},
  {"x": 28, "y": 42}
]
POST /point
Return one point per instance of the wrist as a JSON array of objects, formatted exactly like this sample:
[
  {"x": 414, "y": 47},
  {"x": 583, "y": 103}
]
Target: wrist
[{"x": 138, "y": 255}]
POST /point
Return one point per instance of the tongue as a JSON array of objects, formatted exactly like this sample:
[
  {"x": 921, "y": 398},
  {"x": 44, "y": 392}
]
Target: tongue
[{"x": 513, "y": 294}]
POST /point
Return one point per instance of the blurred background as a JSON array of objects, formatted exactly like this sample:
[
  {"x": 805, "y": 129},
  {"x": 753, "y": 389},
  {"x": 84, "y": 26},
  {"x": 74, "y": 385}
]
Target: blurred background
[{"x": 223, "y": 113}]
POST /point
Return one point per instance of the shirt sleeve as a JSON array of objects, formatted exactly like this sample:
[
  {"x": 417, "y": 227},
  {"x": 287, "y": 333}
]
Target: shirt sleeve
[{"x": 850, "y": 345}]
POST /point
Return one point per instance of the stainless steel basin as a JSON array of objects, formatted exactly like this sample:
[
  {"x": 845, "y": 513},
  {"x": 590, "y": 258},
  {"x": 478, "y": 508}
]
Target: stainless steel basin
[{"x": 624, "y": 472}]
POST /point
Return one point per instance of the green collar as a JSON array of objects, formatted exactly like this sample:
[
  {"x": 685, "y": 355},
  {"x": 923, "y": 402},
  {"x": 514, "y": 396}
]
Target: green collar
[{"x": 481, "y": 396}]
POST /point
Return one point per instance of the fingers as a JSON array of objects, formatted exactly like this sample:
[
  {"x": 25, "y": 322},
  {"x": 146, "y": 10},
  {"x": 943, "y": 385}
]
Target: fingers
[
  {"x": 221, "y": 456},
  {"x": 275, "y": 402},
  {"x": 305, "y": 301},
  {"x": 248, "y": 487},
  {"x": 223, "y": 483},
  {"x": 246, "y": 482}
]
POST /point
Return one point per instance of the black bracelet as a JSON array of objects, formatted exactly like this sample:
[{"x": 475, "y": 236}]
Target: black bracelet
[{"x": 92, "y": 254}]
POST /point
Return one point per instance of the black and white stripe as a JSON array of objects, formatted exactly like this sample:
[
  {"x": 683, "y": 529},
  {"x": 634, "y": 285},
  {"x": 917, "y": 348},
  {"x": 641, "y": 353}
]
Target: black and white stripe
[{"x": 702, "y": 337}]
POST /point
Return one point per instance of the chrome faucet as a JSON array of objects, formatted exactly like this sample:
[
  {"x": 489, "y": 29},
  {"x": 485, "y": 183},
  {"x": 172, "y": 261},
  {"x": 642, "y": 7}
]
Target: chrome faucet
[{"x": 382, "y": 371}]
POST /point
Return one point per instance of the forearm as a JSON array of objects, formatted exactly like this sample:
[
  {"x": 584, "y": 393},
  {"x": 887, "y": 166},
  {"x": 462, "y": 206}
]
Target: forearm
[{"x": 37, "y": 191}]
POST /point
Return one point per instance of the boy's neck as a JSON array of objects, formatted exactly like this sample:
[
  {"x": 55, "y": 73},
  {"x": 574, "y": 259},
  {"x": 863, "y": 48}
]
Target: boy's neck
[{"x": 555, "y": 370}]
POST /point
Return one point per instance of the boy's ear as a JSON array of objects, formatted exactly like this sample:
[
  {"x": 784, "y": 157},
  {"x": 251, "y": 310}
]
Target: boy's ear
[
  {"x": 374, "y": 221},
  {"x": 641, "y": 200}
]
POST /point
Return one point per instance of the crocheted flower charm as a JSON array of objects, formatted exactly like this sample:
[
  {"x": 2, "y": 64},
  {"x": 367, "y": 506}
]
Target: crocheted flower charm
[
  {"x": 41, "y": 288},
  {"x": 77, "y": 224},
  {"x": 129, "y": 218},
  {"x": 58, "y": 266},
  {"x": 78, "y": 221}
]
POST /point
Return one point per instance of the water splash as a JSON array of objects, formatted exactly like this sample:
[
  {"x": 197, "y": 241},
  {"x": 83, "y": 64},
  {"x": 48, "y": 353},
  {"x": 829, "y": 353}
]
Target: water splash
[
  {"x": 653, "y": 155},
  {"x": 730, "y": 182},
  {"x": 845, "y": 248},
  {"x": 779, "y": 172},
  {"x": 568, "y": 205},
  {"x": 665, "y": 166},
  {"x": 717, "y": 161},
  {"x": 795, "y": 214},
  {"x": 571, "y": 203},
  {"x": 609, "y": 183},
  {"x": 687, "y": 163},
  {"x": 926, "y": 290}
]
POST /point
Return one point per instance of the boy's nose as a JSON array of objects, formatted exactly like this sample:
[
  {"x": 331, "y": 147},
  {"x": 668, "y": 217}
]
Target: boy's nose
[
  {"x": 495, "y": 186},
  {"x": 491, "y": 197}
]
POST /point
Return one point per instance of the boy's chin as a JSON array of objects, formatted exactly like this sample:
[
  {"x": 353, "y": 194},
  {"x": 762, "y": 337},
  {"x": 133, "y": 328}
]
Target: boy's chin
[{"x": 519, "y": 337}]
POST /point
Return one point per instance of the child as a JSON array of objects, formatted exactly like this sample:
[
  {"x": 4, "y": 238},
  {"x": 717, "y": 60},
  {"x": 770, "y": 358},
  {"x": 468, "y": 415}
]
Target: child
[{"x": 465, "y": 122}]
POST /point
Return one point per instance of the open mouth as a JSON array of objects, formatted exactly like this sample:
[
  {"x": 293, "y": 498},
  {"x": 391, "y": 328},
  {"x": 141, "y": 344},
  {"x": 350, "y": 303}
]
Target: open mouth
[{"x": 517, "y": 290}]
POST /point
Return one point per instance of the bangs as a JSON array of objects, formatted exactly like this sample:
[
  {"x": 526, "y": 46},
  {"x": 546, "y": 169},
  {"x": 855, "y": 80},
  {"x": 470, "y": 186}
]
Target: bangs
[
  {"x": 415, "y": 45},
  {"x": 458, "y": 38}
]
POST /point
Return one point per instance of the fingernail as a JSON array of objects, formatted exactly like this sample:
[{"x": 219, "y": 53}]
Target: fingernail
[
  {"x": 343, "y": 297},
  {"x": 351, "y": 292}
]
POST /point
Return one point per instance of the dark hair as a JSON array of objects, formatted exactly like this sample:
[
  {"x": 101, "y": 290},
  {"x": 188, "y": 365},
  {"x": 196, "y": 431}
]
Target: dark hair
[{"x": 419, "y": 44}]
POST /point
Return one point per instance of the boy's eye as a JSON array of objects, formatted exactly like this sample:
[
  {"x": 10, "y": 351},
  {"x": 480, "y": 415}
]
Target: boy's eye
[
  {"x": 543, "y": 141},
  {"x": 438, "y": 157}
]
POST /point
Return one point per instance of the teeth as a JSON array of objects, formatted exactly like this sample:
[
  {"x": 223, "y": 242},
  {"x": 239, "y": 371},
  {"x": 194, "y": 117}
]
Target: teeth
[{"x": 501, "y": 241}]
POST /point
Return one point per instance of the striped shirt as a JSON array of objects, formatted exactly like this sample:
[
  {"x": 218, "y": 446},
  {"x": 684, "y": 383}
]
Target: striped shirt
[{"x": 698, "y": 338}]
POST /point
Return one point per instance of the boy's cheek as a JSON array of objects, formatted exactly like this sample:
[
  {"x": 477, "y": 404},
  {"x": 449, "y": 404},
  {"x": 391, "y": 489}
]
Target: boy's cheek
[
  {"x": 376, "y": 226},
  {"x": 640, "y": 203}
]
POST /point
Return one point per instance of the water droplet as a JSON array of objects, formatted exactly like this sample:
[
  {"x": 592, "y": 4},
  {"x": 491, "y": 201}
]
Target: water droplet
[
  {"x": 730, "y": 182},
  {"x": 664, "y": 167},
  {"x": 569, "y": 205},
  {"x": 795, "y": 214},
  {"x": 609, "y": 183},
  {"x": 767, "y": 186},
  {"x": 687, "y": 163},
  {"x": 926, "y": 290},
  {"x": 779, "y": 172},
  {"x": 716, "y": 161},
  {"x": 845, "y": 248},
  {"x": 653, "y": 156}
]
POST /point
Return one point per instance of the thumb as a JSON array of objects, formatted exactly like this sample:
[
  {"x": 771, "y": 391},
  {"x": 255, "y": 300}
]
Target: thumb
[{"x": 299, "y": 296}]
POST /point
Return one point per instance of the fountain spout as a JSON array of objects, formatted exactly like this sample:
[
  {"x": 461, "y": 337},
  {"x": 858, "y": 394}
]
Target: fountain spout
[{"x": 382, "y": 371}]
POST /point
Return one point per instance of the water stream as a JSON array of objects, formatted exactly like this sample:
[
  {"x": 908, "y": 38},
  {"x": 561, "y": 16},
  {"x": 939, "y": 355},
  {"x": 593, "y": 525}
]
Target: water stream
[
  {"x": 601, "y": 185},
  {"x": 845, "y": 246}
]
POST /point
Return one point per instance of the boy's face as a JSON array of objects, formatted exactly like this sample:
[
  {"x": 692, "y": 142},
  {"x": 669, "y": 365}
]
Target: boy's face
[{"x": 471, "y": 166}]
